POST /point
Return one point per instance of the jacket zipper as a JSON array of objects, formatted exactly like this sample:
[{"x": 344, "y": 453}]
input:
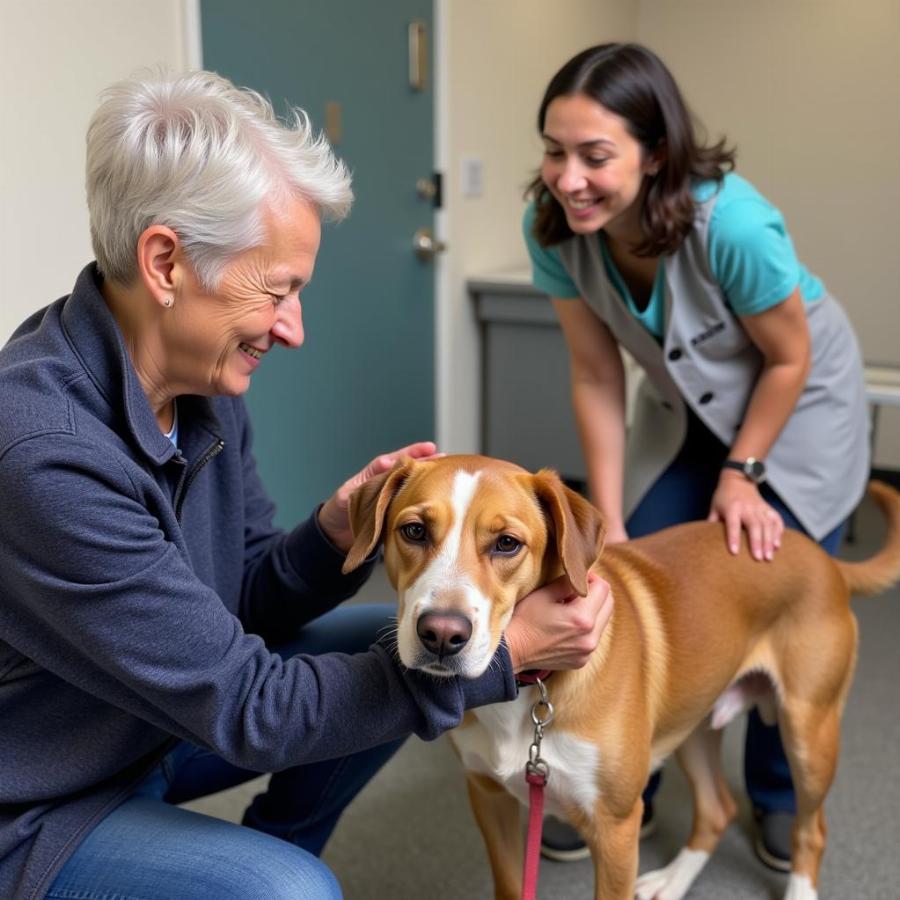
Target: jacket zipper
[{"x": 210, "y": 453}]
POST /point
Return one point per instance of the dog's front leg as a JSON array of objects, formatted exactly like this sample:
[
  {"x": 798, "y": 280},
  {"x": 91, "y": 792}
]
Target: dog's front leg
[
  {"x": 497, "y": 814},
  {"x": 613, "y": 841}
]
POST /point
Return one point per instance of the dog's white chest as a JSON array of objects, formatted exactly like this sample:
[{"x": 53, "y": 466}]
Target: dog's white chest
[{"x": 497, "y": 743}]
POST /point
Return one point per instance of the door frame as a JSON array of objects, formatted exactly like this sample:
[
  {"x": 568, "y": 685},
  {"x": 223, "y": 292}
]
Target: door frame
[
  {"x": 191, "y": 36},
  {"x": 443, "y": 281}
]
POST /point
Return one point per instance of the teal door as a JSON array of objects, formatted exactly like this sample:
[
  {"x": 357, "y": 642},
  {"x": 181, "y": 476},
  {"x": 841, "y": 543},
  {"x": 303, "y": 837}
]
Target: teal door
[{"x": 363, "y": 382}]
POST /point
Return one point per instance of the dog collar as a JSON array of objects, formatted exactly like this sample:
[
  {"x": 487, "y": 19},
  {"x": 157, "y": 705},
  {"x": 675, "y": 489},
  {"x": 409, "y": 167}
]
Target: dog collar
[{"x": 530, "y": 676}]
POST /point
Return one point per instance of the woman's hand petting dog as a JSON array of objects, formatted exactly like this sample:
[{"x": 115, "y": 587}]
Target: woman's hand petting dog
[
  {"x": 334, "y": 517},
  {"x": 554, "y": 628}
]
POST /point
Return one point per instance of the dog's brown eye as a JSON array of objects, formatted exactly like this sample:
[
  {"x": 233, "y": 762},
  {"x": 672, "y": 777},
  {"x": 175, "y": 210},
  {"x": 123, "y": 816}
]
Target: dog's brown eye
[
  {"x": 414, "y": 532},
  {"x": 507, "y": 545}
]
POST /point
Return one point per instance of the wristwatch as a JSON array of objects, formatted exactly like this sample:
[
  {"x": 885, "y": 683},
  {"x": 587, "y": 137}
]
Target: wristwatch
[{"x": 754, "y": 469}]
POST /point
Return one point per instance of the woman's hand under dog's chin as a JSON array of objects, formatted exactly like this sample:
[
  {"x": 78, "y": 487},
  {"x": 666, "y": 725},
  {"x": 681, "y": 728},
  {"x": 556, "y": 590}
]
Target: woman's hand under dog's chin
[{"x": 554, "y": 628}]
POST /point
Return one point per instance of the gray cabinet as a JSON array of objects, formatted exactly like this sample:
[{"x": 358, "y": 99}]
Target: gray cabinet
[{"x": 526, "y": 406}]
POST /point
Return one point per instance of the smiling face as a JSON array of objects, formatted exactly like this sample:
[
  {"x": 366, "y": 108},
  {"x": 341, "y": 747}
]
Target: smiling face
[
  {"x": 594, "y": 167},
  {"x": 214, "y": 341}
]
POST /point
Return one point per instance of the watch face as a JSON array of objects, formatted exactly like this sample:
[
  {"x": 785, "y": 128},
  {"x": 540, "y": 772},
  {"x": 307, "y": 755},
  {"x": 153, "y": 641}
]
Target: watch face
[{"x": 754, "y": 469}]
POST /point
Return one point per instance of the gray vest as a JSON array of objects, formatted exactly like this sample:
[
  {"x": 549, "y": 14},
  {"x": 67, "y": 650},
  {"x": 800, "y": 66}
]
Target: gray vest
[{"x": 820, "y": 462}]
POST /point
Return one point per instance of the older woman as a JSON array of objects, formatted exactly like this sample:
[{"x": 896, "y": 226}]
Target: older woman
[{"x": 159, "y": 638}]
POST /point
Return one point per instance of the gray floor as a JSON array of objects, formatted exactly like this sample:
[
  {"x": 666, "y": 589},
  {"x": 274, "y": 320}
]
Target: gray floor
[{"x": 410, "y": 833}]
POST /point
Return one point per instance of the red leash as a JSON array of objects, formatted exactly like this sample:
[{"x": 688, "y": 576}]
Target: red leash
[
  {"x": 537, "y": 772},
  {"x": 533, "y": 841}
]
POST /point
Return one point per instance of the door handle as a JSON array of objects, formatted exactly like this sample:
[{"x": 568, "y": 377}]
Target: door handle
[{"x": 426, "y": 245}]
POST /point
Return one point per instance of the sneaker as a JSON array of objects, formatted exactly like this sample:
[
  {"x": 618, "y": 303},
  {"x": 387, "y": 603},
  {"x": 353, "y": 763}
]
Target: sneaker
[
  {"x": 772, "y": 840},
  {"x": 561, "y": 842}
]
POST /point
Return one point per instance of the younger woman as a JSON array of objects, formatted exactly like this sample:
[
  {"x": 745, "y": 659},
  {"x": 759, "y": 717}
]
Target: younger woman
[{"x": 753, "y": 409}]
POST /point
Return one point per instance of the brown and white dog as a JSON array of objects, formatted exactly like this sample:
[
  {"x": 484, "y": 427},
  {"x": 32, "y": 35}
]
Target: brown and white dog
[{"x": 696, "y": 637}]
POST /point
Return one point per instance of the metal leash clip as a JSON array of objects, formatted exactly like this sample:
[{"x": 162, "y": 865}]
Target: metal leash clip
[{"x": 541, "y": 715}]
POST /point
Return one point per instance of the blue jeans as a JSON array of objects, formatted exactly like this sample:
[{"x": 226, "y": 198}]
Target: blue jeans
[
  {"x": 149, "y": 849},
  {"x": 683, "y": 493}
]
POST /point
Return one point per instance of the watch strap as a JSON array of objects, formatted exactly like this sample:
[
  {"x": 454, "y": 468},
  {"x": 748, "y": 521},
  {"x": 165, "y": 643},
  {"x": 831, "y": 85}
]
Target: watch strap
[{"x": 752, "y": 469}]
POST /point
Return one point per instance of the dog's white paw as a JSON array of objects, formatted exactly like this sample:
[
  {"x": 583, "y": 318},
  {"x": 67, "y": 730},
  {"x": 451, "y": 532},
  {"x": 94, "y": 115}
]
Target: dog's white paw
[
  {"x": 674, "y": 881},
  {"x": 800, "y": 888}
]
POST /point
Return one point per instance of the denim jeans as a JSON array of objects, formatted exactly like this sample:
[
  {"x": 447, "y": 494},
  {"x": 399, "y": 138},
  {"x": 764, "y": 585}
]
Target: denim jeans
[
  {"x": 150, "y": 849},
  {"x": 683, "y": 493}
]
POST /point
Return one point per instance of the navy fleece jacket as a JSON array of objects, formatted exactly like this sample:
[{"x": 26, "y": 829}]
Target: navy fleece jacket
[{"x": 139, "y": 586}]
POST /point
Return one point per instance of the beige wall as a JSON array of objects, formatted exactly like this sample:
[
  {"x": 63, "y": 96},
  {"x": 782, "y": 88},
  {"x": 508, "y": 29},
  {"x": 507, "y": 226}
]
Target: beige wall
[
  {"x": 808, "y": 89},
  {"x": 55, "y": 57}
]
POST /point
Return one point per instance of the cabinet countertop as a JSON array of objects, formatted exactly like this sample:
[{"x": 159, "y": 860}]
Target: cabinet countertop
[{"x": 505, "y": 281}]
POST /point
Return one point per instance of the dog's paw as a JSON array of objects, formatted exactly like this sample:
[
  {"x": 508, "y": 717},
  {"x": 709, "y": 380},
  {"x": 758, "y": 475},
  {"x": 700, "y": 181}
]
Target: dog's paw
[
  {"x": 800, "y": 888},
  {"x": 674, "y": 881}
]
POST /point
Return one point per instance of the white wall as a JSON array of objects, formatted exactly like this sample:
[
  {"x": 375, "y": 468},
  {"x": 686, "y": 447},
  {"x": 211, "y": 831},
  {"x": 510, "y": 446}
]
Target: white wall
[
  {"x": 808, "y": 89},
  {"x": 55, "y": 57}
]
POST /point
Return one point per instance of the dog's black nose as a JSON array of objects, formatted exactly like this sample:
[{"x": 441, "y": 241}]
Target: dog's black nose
[{"x": 443, "y": 633}]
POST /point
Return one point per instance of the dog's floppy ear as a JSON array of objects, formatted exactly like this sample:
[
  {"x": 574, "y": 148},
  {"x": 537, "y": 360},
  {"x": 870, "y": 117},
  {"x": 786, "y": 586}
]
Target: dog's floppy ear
[
  {"x": 577, "y": 526},
  {"x": 368, "y": 505}
]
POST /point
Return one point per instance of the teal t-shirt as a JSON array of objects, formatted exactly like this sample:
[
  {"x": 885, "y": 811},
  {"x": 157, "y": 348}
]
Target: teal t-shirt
[{"x": 751, "y": 255}]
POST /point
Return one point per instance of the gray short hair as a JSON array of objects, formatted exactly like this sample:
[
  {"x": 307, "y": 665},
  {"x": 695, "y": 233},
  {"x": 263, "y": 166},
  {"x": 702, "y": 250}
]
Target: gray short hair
[{"x": 201, "y": 156}]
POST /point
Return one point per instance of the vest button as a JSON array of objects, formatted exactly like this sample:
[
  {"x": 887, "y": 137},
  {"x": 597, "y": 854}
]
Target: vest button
[
  {"x": 675, "y": 355},
  {"x": 706, "y": 398},
  {"x": 666, "y": 405}
]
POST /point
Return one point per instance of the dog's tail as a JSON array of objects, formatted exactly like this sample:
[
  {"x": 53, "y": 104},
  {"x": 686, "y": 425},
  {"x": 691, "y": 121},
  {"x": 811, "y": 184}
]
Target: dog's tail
[{"x": 881, "y": 571}]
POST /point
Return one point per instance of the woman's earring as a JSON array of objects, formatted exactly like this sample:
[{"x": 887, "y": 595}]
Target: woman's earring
[{"x": 168, "y": 301}]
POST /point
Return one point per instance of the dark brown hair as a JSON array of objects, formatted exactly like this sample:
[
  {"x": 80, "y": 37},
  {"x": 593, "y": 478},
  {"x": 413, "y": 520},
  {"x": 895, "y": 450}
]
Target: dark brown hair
[{"x": 632, "y": 82}]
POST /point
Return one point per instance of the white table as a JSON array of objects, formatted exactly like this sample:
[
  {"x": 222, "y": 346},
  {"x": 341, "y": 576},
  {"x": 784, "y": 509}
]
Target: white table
[{"x": 882, "y": 389}]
